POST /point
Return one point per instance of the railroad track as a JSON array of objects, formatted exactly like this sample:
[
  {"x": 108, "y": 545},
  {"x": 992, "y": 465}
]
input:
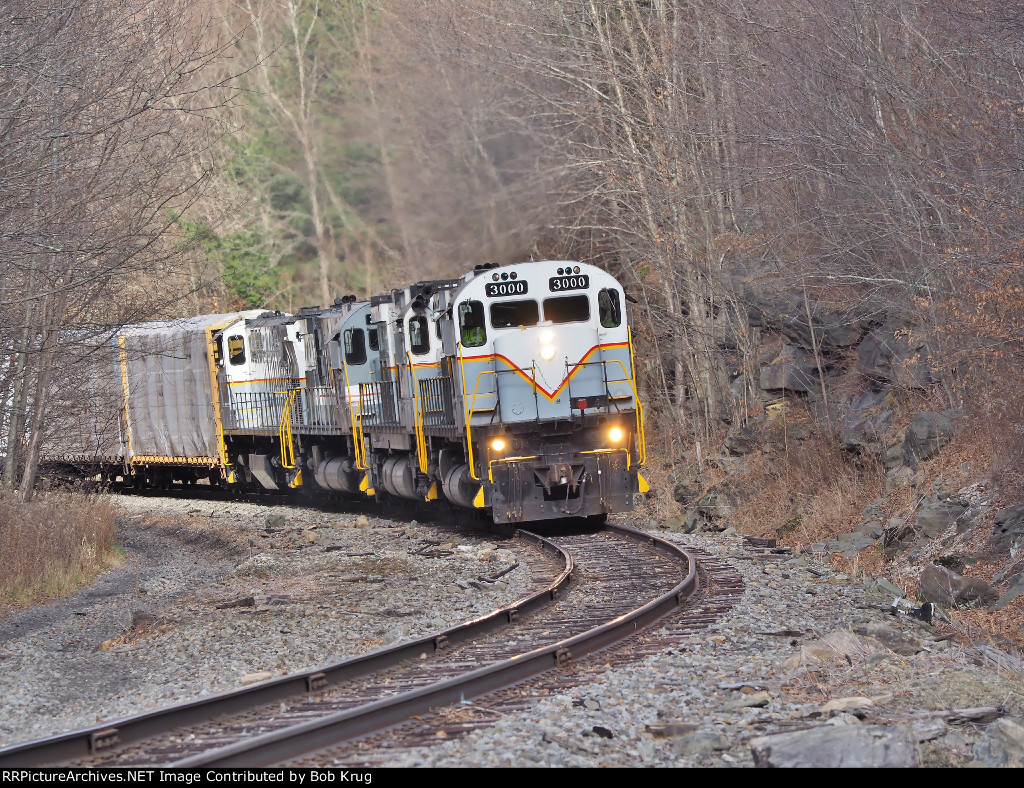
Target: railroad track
[
  {"x": 612, "y": 585},
  {"x": 720, "y": 587}
]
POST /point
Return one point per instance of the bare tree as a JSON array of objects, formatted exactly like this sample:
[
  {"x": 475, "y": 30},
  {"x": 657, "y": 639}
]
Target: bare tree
[
  {"x": 106, "y": 130},
  {"x": 716, "y": 151}
]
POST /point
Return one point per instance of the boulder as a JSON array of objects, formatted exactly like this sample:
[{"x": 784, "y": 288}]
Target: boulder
[
  {"x": 893, "y": 639},
  {"x": 849, "y": 544},
  {"x": 866, "y": 421},
  {"x": 895, "y": 353},
  {"x": 1009, "y": 524},
  {"x": 958, "y": 562},
  {"x": 701, "y": 743},
  {"x": 830, "y": 330},
  {"x": 926, "y": 436},
  {"x": 897, "y": 536},
  {"x": 843, "y": 746},
  {"x": 935, "y": 517},
  {"x": 792, "y": 370},
  {"x": 949, "y": 589},
  {"x": 764, "y": 310},
  {"x": 840, "y": 647},
  {"x": 1001, "y": 745},
  {"x": 686, "y": 485},
  {"x": 892, "y": 456},
  {"x": 901, "y": 476},
  {"x": 715, "y": 504},
  {"x": 1015, "y": 590},
  {"x": 741, "y": 439}
]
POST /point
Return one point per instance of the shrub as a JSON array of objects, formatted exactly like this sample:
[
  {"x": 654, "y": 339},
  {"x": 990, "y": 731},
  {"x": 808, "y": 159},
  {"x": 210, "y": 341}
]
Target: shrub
[{"x": 54, "y": 544}]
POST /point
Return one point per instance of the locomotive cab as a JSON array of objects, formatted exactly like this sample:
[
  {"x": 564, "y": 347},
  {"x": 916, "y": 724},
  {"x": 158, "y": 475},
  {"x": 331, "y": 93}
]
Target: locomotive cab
[
  {"x": 410, "y": 412},
  {"x": 348, "y": 356},
  {"x": 553, "y": 426}
]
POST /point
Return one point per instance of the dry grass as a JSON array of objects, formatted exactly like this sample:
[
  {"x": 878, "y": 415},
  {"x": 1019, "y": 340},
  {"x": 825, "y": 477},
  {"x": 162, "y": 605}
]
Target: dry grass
[
  {"x": 807, "y": 493},
  {"x": 53, "y": 545},
  {"x": 658, "y": 504}
]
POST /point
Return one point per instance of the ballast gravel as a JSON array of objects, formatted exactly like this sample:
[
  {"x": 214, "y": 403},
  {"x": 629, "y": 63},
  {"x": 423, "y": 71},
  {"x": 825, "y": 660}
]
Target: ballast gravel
[{"x": 213, "y": 596}]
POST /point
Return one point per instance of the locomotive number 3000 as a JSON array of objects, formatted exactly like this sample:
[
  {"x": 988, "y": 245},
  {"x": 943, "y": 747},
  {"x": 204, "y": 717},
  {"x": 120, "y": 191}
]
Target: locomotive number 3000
[
  {"x": 506, "y": 288},
  {"x": 578, "y": 282}
]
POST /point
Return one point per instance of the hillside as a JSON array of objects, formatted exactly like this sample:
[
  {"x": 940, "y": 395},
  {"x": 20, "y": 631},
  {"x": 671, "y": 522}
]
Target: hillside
[{"x": 850, "y": 452}]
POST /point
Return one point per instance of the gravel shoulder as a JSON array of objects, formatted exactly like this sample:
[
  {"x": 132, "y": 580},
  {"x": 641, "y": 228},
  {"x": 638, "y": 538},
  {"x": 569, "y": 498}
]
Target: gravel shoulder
[
  {"x": 807, "y": 650},
  {"x": 214, "y": 596}
]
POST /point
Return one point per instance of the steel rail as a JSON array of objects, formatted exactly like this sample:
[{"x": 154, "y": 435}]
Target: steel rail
[
  {"x": 81, "y": 744},
  {"x": 304, "y": 738}
]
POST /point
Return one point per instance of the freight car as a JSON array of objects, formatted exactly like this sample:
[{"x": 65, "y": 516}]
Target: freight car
[{"x": 510, "y": 389}]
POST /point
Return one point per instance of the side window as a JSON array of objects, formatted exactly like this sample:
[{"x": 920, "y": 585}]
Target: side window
[
  {"x": 514, "y": 313},
  {"x": 236, "y": 350},
  {"x": 419, "y": 335},
  {"x": 609, "y": 308},
  {"x": 567, "y": 309},
  {"x": 374, "y": 342},
  {"x": 355, "y": 347},
  {"x": 471, "y": 324}
]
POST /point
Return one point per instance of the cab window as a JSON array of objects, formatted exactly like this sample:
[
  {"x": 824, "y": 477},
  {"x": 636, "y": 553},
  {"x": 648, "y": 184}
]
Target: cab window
[
  {"x": 374, "y": 342},
  {"x": 472, "y": 331},
  {"x": 567, "y": 309},
  {"x": 514, "y": 313},
  {"x": 355, "y": 347},
  {"x": 419, "y": 335},
  {"x": 609, "y": 308},
  {"x": 236, "y": 350}
]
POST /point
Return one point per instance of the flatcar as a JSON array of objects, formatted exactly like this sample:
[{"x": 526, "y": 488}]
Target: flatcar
[{"x": 510, "y": 389}]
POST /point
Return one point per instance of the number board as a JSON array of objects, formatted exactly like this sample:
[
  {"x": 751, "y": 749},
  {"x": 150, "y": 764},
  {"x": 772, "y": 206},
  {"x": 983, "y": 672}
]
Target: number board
[
  {"x": 578, "y": 282},
  {"x": 517, "y": 287}
]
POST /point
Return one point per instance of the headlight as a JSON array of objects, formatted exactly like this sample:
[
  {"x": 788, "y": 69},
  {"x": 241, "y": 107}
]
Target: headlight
[
  {"x": 498, "y": 445},
  {"x": 616, "y": 434},
  {"x": 547, "y": 344}
]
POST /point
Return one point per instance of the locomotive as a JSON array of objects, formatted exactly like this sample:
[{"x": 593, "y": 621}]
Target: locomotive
[{"x": 510, "y": 389}]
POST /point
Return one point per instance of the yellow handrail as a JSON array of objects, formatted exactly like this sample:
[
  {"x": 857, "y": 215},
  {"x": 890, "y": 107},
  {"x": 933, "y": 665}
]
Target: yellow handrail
[
  {"x": 642, "y": 446},
  {"x": 421, "y": 438},
  {"x": 358, "y": 447},
  {"x": 641, "y": 438},
  {"x": 469, "y": 411},
  {"x": 490, "y": 464},
  {"x": 465, "y": 414},
  {"x": 284, "y": 429}
]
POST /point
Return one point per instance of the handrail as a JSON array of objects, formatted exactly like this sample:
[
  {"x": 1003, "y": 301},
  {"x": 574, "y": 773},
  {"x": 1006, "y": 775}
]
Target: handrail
[
  {"x": 417, "y": 418},
  {"x": 466, "y": 414},
  {"x": 358, "y": 447},
  {"x": 641, "y": 438},
  {"x": 469, "y": 410},
  {"x": 490, "y": 464},
  {"x": 469, "y": 413},
  {"x": 359, "y": 425},
  {"x": 629, "y": 463},
  {"x": 636, "y": 399},
  {"x": 284, "y": 429}
]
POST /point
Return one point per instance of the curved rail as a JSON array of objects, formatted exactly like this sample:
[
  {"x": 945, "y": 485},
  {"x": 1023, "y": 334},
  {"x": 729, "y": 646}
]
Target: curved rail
[
  {"x": 83, "y": 744},
  {"x": 303, "y": 738}
]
